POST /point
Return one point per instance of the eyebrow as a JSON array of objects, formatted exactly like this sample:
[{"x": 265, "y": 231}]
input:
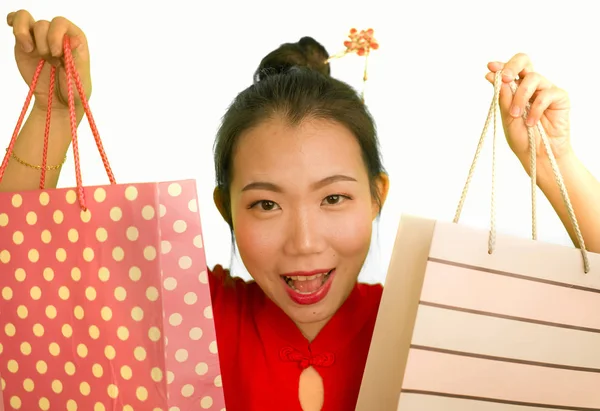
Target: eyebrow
[{"x": 263, "y": 185}]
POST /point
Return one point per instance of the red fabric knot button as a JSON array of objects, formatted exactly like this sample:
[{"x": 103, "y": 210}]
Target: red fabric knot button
[{"x": 290, "y": 354}]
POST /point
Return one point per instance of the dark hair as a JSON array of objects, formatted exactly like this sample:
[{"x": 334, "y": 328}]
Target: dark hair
[
  {"x": 295, "y": 94},
  {"x": 307, "y": 52}
]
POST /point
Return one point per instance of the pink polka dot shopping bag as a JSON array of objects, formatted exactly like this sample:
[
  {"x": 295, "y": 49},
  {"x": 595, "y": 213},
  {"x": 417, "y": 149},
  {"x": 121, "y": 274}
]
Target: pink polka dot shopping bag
[{"x": 105, "y": 302}]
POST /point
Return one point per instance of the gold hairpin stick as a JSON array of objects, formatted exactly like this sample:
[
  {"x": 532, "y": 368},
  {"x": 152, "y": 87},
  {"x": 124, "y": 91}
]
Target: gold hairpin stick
[{"x": 360, "y": 42}]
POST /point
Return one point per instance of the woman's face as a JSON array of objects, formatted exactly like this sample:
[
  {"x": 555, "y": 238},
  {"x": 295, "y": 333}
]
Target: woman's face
[{"x": 302, "y": 213}]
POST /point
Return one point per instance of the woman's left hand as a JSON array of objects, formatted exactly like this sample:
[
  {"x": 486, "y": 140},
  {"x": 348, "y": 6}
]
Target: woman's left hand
[{"x": 549, "y": 105}]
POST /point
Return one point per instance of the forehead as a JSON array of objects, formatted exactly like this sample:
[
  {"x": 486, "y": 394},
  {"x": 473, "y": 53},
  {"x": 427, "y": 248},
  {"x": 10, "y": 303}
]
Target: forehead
[{"x": 315, "y": 149}]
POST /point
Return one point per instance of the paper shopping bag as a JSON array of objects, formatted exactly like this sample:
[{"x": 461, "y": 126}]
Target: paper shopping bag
[
  {"x": 461, "y": 329},
  {"x": 471, "y": 320},
  {"x": 104, "y": 295},
  {"x": 109, "y": 305}
]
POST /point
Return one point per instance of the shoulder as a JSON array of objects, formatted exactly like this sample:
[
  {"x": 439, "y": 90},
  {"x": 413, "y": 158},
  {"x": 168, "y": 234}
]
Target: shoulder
[{"x": 370, "y": 293}]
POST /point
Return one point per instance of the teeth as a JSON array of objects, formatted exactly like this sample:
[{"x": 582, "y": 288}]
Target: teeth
[{"x": 304, "y": 277}]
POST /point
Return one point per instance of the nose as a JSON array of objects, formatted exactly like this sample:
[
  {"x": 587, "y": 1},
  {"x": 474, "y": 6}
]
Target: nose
[{"x": 304, "y": 234}]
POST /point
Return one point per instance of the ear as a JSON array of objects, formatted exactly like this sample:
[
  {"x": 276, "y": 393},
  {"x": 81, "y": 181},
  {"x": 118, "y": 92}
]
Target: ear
[
  {"x": 218, "y": 199},
  {"x": 382, "y": 185}
]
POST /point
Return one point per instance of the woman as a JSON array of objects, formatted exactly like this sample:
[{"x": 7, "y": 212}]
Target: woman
[{"x": 299, "y": 181}]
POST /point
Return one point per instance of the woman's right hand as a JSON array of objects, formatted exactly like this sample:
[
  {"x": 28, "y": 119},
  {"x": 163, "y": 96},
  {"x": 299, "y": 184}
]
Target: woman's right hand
[{"x": 36, "y": 40}]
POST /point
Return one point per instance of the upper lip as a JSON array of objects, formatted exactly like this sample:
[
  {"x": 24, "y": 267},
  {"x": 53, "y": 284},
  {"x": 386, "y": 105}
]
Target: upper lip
[{"x": 307, "y": 273}]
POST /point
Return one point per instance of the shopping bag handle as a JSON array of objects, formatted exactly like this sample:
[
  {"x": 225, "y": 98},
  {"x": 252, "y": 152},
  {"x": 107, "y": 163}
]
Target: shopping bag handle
[
  {"x": 72, "y": 77},
  {"x": 494, "y": 106}
]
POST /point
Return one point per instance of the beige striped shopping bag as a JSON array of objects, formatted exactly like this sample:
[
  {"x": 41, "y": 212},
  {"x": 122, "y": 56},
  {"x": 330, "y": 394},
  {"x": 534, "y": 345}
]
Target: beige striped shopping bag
[{"x": 475, "y": 321}]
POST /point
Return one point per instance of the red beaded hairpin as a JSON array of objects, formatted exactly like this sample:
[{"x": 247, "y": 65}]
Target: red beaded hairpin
[{"x": 360, "y": 42}]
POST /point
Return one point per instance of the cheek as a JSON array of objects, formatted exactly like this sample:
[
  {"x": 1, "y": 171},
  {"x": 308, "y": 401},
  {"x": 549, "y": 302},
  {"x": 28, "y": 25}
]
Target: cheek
[
  {"x": 350, "y": 235},
  {"x": 256, "y": 242}
]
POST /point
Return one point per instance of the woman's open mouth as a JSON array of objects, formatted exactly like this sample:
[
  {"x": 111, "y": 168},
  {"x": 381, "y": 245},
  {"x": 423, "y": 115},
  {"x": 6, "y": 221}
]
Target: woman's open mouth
[{"x": 308, "y": 287}]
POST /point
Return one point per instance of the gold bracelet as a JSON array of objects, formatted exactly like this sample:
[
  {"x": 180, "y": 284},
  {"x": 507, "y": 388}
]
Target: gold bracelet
[{"x": 26, "y": 164}]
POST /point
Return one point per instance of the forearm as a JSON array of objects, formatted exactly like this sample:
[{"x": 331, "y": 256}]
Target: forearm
[
  {"x": 29, "y": 148},
  {"x": 584, "y": 193}
]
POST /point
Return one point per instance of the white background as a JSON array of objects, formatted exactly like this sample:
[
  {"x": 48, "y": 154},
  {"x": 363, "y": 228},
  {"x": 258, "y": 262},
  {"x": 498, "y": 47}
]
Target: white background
[{"x": 164, "y": 74}]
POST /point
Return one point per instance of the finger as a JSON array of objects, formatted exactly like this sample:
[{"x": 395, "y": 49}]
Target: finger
[
  {"x": 544, "y": 100},
  {"x": 518, "y": 66},
  {"x": 22, "y": 22},
  {"x": 531, "y": 83},
  {"x": 59, "y": 28},
  {"x": 40, "y": 36},
  {"x": 494, "y": 66}
]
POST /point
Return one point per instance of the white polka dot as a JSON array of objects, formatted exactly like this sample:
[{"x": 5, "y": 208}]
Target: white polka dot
[
  {"x": 181, "y": 355},
  {"x": 162, "y": 210},
  {"x": 46, "y": 236},
  {"x": 187, "y": 390},
  {"x": 17, "y": 200},
  {"x": 100, "y": 195},
  {"x": 101, "y": 234},
  {"x": 154, "y": 334},
  {"x": 179, "y": 226},
  {"x": 212, "y": 347},
  {"x": 193, "y": 206},
  {"x": 190, "y": 298},
  {"x": 58, "y": 217},
  {"x": 116, "y": 214},
  {"x": 73, "y": 235},
  {"x": 170, "y": 284},
  {"x": 165, "y": 247},
  {"x": 118, "y": 254},
  {"x": 44, "y": 198},
  {"x": 206, "y": 402},
  {"x": 148, "y": 212},
  {"x": 175, "y": 319},
  {"x": 196, "y": 333},
  {"x": 218, "y": 381},
  {"x": 85, "y": 216},
  {"x": 3, "y": 219},
  {"x": 185, "y": 262},
  {"x": 152, "y": 293},
  {"x": 103, "y": 274},
  {"x": 135, "y": 274},
  {"x": 203, "y": 277},
  {"x": 120, "y": 294},
  {"x": 198, "y": 241},
  {"x": 131, "y": 193},
  {"x": 174, "y": 189},
  {"x": 31, "y": 218},
  {"x": 132, "y": 234},
  {"x": 71, "y": 197},
  {"x": 208, "y": 313},
  {"x": 150, "y": 253},
  {"x": 18, "y": 237},
  {"x": 137, "y": 314}
]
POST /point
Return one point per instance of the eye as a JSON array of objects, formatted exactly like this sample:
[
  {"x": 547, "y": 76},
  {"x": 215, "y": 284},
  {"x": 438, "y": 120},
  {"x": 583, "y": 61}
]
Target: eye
[
  {"x": 265, "y": 205},
  {"x": 334, "y": 199}
]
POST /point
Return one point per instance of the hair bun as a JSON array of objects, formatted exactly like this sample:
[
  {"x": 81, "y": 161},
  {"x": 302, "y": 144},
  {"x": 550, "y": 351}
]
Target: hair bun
[{"x": 307, "y": 52}]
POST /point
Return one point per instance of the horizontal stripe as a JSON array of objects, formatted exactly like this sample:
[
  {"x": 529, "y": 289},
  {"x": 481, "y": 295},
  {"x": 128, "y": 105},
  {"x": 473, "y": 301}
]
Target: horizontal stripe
[
  {"x": 431, "y": 401},
  {"x": 484, "y": 291},
  {"x": 503, "y": 338},
  {"x": 516, "y": 383},
  {"x": 521, "y": 256}
]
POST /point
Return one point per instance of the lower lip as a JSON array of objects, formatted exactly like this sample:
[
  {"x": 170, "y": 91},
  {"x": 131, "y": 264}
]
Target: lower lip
[{"x": 312, "y": 298}]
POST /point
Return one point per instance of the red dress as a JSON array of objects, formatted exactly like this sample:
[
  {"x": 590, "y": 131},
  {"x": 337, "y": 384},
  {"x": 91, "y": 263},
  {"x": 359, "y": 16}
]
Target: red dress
[{"x": 262, "y": 352}]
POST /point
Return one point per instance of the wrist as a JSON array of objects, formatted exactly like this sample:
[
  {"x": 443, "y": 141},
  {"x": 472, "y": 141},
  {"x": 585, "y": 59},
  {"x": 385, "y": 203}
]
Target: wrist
[{"x": 60, "y": 114}]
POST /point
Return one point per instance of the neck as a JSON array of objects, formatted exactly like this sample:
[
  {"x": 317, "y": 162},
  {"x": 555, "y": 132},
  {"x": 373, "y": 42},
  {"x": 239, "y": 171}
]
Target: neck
[{"x": 311, "y": 330}]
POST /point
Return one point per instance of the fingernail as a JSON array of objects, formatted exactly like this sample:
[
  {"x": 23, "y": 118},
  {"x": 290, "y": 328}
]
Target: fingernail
[
  {"x": 27, "y": 47},
  {"x": 515, "y": 111},
  {"x": 530, "y": 122},
  {"x": 508, "y": 73}
]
